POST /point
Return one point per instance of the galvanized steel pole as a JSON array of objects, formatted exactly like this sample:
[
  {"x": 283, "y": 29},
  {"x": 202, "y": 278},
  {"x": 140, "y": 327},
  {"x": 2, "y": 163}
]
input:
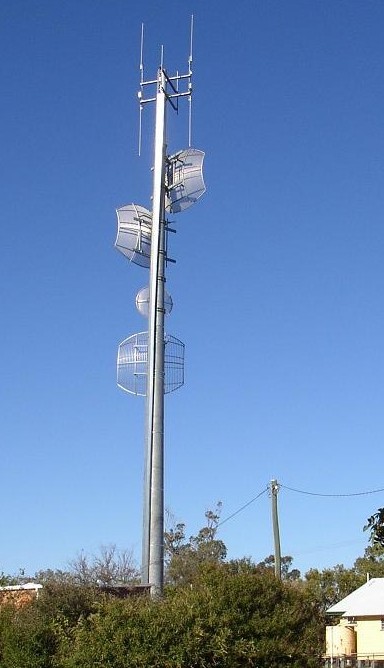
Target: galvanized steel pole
[{"x": 153, "y": 520}]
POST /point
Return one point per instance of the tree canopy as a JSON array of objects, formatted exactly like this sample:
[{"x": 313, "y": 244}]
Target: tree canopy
[
  {"x": 232, "y": 616},
  {"x": 215, "y": 612},
  {"x": 185, "y": 556},
  {"x": 375, "y": 526}
]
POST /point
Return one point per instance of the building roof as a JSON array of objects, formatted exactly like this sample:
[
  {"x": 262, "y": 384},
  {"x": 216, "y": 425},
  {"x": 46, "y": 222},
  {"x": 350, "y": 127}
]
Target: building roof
[
  {"x": 366, "y": 601},
  {"x": 22, "y": 587}
]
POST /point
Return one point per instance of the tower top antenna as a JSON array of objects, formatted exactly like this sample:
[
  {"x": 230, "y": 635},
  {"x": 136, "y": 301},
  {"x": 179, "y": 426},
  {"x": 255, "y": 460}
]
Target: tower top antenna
[
  {"x": 191, "y": 44},
  {"x": 178, "y": 85},
  {"x": 141, "y": 54}
]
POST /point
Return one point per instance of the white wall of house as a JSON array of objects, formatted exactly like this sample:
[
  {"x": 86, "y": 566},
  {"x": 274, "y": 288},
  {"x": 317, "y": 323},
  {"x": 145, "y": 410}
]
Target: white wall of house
[
  {"x": 370, "y": 637},
  {"x": 365, "y": 637}
]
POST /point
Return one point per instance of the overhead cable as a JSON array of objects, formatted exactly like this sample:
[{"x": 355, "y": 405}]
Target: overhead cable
[
  {"x": 242, "y": 507},
  {"x": 301, "y": 491}
]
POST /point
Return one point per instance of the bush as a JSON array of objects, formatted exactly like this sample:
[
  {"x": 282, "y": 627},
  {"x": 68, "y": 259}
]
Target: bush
[
  {"x": 26, "y": 639},
  {"x": 232, "y": 616},
  {"x": 31, "y": 635},
  {"x": 226, "y": 620}
]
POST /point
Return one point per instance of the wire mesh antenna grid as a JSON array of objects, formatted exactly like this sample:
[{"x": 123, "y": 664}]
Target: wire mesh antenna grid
[
  {"x": 185, "y": 183},
  {"x": 132, "y": 364},
  {"x": 134, "y": 233}
]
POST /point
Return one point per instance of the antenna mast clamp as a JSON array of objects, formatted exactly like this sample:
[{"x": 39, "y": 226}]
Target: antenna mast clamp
[{"x": 176, "y": 93}]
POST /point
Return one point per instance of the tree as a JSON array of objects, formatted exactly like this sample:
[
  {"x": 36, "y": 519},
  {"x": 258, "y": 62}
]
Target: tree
[
  {"x": 6, "y": 580},
  {"x": 26, "y": 638},
  {"x": 30, "y": 636},
  {"x": 110, "y": 567},
  {"x": 375, "y": 526},
  {"x": 332, "y": 584},
  {"x": 226, "y": 619},
  {"x": 184, "y": 557},
  {"x": 286, "y": 562},
  {"x": 372, "y": 563}
]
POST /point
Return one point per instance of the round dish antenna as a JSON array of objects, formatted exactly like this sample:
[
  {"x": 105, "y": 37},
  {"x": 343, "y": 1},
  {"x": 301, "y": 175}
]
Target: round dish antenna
[
  {"x": 142, "y": 302},
  {"x": 134, "y": 231},
  {"x": 132, "y": 363},
  {"x": 185, "y": 183}
]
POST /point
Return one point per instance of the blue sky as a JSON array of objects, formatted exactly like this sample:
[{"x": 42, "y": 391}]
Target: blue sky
[{"x": 277, "y": 289}]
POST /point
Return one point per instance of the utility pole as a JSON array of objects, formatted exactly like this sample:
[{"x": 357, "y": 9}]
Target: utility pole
[{"x": 275, "y": 524}]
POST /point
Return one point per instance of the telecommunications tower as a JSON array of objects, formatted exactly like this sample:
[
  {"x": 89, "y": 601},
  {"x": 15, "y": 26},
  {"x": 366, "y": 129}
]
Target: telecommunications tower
[{"x": 151, "y": 363}]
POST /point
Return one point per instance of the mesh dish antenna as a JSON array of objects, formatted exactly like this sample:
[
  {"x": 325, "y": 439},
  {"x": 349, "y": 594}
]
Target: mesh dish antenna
[
  {"x": 142, "y": 302},
  {"x": 185, "y": 182},
  {"x": 132, "y": 364},
  {"x": 134, "y": 231}
]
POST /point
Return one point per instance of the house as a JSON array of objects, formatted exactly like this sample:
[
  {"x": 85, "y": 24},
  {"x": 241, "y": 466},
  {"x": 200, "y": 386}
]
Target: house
[
  {"x": 358, "y": 637},
  {"x": 19, "y": 595}
]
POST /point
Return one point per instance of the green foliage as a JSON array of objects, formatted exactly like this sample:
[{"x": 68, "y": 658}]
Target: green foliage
[
  {"x": 230, "y": 618},
  {"x": 26, "y": 638},
  {"x": 375, "y": 526},
  {"x": 332, "y": 584},
  {"x": 214, "y": 613},
  {"x": 67, "y": 602},
  {"x": 31, "y": 635},
  {"x": 371, "y": 564},
  {"x": 57, "y": 576},
  {"x": 185, "y": 557},
  {"x": 6, "y": 580},
  {"x": 233, "y": 615},
  {"x": 287, "y": 573}
]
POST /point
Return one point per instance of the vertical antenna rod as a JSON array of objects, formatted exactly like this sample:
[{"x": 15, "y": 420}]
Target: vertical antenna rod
[
  {"x": 190, "y": 86},
  {"x": 141, "y": 84}
]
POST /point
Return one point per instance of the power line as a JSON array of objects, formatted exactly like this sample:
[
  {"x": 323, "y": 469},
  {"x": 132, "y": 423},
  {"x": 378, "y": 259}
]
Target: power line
[
  {"x": 301, "y": 491},
  {"x": 298, "y": 491},
  {"x": 242, "y": 507}
]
